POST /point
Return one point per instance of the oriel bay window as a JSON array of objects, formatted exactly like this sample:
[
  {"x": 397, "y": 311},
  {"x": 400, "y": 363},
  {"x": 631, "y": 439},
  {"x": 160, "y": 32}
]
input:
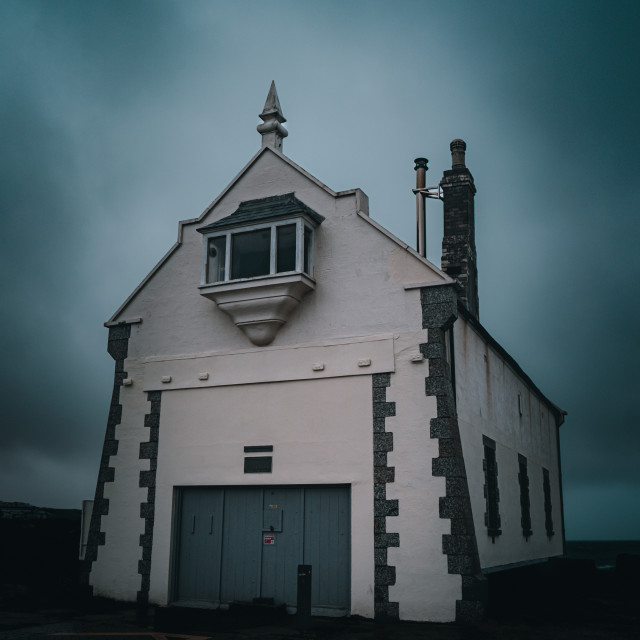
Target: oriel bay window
[
  {"x": 258, "y": 263},
  {"x": 259, "y": 250}
]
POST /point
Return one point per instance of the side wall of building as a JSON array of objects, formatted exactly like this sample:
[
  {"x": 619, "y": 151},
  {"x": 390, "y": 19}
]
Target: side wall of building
[{"x": 497, "y": 407}]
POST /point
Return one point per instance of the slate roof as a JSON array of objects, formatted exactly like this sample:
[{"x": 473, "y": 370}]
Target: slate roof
[{"x": 264, "y": 209}]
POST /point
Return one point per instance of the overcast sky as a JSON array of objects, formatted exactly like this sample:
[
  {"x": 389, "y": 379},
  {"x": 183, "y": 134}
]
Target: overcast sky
[{"x": 117, "y": 119}]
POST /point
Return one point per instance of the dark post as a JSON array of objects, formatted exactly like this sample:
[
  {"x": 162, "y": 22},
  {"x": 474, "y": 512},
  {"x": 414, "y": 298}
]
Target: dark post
[{"x": 303, "y": 616}]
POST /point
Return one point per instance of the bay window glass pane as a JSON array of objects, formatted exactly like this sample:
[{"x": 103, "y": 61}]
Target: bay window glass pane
[
  {"x": 307, "y": 250},
  {"x": 250, "y": 253},
  {"x": 286, "y": 248},
  {"x": 216, "y": 255}
]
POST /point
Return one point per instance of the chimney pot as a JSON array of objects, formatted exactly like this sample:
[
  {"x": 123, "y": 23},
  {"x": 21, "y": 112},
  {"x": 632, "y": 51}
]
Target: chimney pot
[
  {"x": 458, "y": 147},
  {"x": 421, "y": 172}
]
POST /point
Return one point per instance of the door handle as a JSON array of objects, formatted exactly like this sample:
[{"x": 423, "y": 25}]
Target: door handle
[
  {"x": 193, "y": 524},
  {"x": 211, "y": 526}
]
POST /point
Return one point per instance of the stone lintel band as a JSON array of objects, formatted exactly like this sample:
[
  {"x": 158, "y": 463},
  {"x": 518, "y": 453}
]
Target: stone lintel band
[
  {"x": 385, "y": 575},
  {"x": 118, "y": 347},
  {"x": 148, "y": 451},
  {"x": 439, "y": 312}
]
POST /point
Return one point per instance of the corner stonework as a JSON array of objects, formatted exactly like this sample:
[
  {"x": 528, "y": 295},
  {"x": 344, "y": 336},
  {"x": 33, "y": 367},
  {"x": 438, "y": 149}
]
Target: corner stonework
[
  {"x": 118, "y": 348},
  {"x": 385, "y": 575},
  {"x": 149, "y": 451},
  {"x": 439, "y": 312}
]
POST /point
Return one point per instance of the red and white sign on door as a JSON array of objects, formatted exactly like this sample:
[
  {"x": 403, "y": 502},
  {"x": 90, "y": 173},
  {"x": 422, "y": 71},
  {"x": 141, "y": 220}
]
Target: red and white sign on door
[{"x": 269, "y": 538}]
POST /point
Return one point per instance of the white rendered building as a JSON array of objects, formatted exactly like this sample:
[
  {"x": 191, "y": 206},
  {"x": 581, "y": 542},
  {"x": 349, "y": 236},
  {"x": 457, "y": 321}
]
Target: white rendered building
[{"x": 295, "y": 385}]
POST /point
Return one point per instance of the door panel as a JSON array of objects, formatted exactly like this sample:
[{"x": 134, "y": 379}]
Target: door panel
[
  {"x": 280, "y": 561},
  {"x": 200, "y": 535},
  {"x": 327, "y": 542},
  {"x": 241, "y": 544}
]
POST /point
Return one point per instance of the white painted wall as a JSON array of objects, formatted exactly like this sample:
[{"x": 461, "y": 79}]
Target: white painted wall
[
  {"x": 487, "y": 396},
  {"x": 115, "y": 572},
  {"x": 424, "y": 588},
  {"x": 321, "y": 433}
]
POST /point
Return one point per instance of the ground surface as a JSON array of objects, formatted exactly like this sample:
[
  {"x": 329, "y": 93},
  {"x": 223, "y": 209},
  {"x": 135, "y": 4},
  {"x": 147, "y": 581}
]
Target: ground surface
[
  {"x": 568, "y": 603},
  {"x": 604, "y": 620}
]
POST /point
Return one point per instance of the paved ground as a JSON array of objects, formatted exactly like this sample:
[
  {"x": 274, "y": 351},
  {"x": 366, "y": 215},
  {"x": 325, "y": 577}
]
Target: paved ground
[
  {"x": 607, "y": 621},
  {"x": 577, "y": 605}
]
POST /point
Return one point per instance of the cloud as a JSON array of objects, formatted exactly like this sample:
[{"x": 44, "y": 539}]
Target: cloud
[{"x": 121, "y": 118}]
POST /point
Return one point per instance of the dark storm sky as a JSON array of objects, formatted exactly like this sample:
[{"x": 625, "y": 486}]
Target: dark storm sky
[{"x": 117, "y": 119}]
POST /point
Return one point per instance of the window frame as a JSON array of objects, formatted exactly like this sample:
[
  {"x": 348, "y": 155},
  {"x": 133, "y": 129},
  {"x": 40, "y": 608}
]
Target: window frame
[{"x": 301, "y": 224}]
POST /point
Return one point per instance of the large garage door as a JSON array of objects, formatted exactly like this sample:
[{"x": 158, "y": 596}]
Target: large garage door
[{"x": 242, "y": 543}]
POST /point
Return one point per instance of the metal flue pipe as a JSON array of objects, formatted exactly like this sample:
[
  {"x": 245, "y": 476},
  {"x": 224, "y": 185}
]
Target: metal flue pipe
[{"x": 421, "y": 224}]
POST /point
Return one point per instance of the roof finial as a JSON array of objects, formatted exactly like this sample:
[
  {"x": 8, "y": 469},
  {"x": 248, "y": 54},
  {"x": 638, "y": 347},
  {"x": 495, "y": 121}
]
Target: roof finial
[{"x": 271, "y": 129}]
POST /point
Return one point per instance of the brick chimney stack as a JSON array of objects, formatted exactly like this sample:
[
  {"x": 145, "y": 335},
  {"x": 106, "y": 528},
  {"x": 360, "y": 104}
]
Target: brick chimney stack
[{"x": 458, "y": 243}]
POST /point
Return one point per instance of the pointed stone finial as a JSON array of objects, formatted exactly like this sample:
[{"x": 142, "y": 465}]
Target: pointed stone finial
[{"x": 271, "y": 128}]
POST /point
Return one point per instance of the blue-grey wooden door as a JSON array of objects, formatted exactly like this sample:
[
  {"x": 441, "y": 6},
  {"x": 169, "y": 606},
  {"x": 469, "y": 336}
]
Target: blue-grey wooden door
[{"x": 242, "y": 543}]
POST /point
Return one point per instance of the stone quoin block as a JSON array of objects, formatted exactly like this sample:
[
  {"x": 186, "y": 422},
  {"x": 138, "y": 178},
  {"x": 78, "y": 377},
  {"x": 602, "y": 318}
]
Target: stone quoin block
[
  {"x": 383, "y": 442},
  {"x": 448, "y": 467},
  {"x": 380, "y": 555},
  {"x": 452, "y": 507},
  {"x": 446, "y": 406},
  {"x": 384, "y": 474},
  {"x": 438, "y": 368},
  {"x": 379, "y": 394},
  {"x": 386, "y": 507},
  {"x": 443, "y": 428},
  {"x": 380, "y": 491},
  {"x": 385, "y": 575},
  {"x": 379, "y": 525},
  {"x": 386, "y": 540},
  {"x": 379, "y": 458},
  {"x": 462, "y": 564},
  {"x": 456, "y": 486},
  {"x": 449, "y": 448},
  {"x": 378, "y": 425},
  {"x": 384, "y": 409},
  {"x": 437, "y": 386},
  {"x": 381, "y": 379},
  {"x": 458, "y": 544},
  {"x": 118, "y": 349}
]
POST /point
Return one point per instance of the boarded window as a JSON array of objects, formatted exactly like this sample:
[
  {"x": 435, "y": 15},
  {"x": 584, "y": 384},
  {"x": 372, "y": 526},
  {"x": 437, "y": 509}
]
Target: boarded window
[
  {"x": 546, "y": 487},
  {"x": 525, "y": 504},
  {"x": 491, "y": 493}
]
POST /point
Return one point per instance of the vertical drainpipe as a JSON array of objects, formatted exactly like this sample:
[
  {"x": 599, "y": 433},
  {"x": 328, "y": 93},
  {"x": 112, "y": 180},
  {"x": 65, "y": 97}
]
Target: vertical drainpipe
[{"x": 421, "y": 226}]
